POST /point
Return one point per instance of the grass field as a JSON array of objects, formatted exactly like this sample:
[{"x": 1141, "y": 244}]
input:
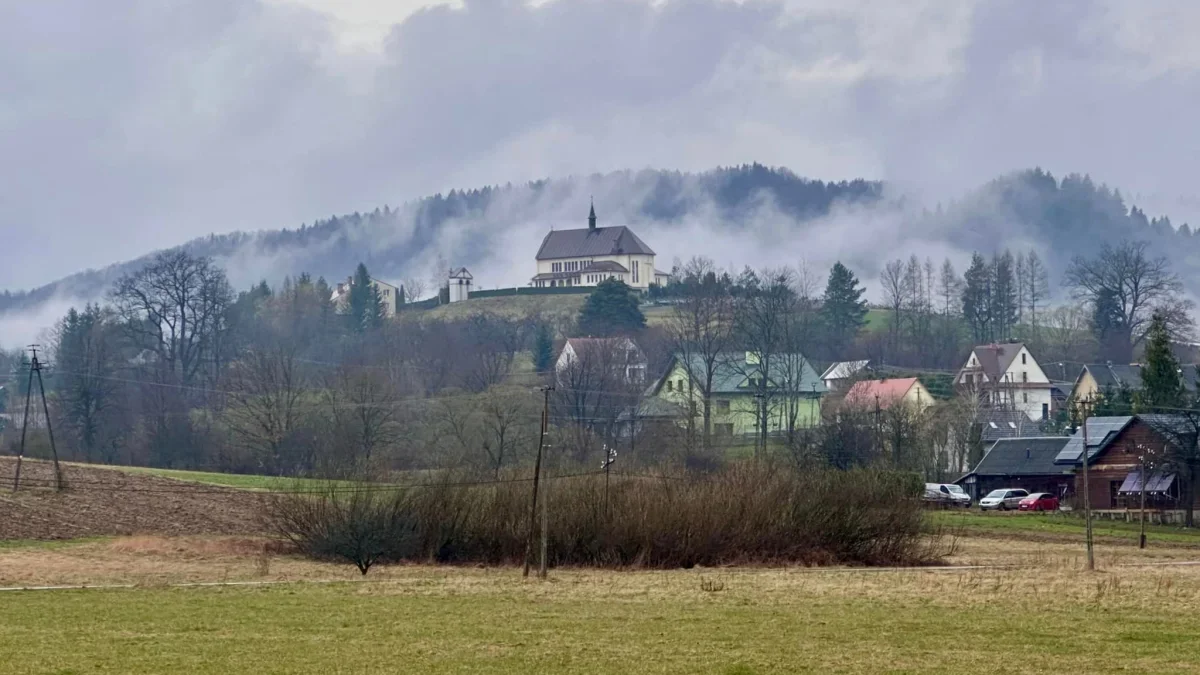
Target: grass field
[
  {"x": 1126, "y": 618},
  {"x": 235, "y": 480},
  {"x": 1063, "y": 525}
]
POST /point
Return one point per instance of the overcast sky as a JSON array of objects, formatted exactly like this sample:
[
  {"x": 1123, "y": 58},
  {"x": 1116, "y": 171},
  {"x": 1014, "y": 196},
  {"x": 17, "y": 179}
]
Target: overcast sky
[{"x": 129, "y": 125}]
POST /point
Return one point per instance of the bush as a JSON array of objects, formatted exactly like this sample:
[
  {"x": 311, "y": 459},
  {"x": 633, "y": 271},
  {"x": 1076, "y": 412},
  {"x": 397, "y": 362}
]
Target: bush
[
  {"x": 361, "y": 524},
  {"x": 743, "y": 514}
]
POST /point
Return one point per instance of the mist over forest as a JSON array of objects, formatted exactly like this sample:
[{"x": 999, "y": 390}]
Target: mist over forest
[{"x": 751, "y": 215}]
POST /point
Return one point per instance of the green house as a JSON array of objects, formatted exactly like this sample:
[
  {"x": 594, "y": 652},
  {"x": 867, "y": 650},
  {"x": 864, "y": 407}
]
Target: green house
[{"x": 791, "y": 392}]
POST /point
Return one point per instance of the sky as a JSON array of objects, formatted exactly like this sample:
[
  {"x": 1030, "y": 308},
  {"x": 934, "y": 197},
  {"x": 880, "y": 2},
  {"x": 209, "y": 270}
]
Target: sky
[{"x": 132, "y": 125}]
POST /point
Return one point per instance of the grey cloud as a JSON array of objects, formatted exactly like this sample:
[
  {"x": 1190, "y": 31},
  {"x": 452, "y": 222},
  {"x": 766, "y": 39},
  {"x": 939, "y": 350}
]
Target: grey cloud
[{"x": 133, "y": 124}]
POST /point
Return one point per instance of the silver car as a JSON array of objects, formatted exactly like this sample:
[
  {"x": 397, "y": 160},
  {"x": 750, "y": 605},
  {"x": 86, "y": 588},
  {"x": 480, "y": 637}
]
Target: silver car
[{"x": 1003, "y": 499}]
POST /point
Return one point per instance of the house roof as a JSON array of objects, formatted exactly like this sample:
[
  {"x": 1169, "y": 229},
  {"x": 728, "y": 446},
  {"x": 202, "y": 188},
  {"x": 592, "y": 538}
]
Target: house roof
[
  {"x": 586, "y": 242},
  {"x": 994, "y": 359},
  {"x": 883, "y": 392},
  {"x": 460, "y": 273},
  {"x": 1022, "y": 457},
  {"x": 1116, "y": 376},
  {"x": 579, "y": 344},
  {"x": 998, "y": 424},
  {"x": 604, "y": 266},
  {"x": 1100, "y": 430},
  {"x": 841, "y": 370},
  {"x": 732, "y": 373}
]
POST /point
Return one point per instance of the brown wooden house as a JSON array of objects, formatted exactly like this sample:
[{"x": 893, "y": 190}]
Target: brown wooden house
[{"x": 1114, "y": 448}]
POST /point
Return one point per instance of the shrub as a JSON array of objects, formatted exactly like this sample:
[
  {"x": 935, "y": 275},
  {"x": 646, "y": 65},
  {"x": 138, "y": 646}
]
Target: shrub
[
  {"x": 361, "y": 524},
  {"x": 743, "y": 514}
]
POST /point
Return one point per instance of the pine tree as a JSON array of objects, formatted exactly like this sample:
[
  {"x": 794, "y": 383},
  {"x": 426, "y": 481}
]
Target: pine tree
[
  {"x": 1003, "y": 304},
  {"x": 543, "y": 348},
  {"x": 976, "y": 299},
  {"x": 1162, "y": 383},
  {"x": 365, "y": 309},
  {"x": 843, "y": 311},
  {"x": 611, "y": 309}
]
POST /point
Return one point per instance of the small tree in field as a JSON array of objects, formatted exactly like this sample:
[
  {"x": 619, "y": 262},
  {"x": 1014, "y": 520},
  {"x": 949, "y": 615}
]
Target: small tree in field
[
  {"x": 361, "y": 524},
  {"x": 611, "y": 309}
]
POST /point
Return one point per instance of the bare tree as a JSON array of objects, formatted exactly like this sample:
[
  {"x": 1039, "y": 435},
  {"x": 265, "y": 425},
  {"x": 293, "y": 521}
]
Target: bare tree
[
  {"x": 761, "y": 317},
  {"x": 491, "y": 344},
  {"x": 1066, "y": 335},
  {"x": 701, "y": 329},
  {"x": 265, "y": 397},
  {"x": 175, "y": 307},
  {"x": 507, "y": 419},
  {"x": 891, "y": 279},
  {"x": 1135, "y": 285},
  {"x": 950, "y": 289},
  {"x": 364, "y": 406},
  {"x": 1037, "y": 288}
]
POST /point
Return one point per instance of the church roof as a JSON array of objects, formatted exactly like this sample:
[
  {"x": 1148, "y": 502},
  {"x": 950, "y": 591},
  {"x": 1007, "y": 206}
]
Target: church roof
[{"x": 586, "y": 242}]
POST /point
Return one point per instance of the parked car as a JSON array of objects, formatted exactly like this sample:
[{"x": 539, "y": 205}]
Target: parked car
[
  {"x": 1003, "y": 499},
  {"x": 1039, "y": 501},
  {"x": 947, "y": 494}
]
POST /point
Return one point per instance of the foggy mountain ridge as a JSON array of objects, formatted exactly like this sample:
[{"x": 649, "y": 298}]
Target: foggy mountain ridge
[{"x": 749, "y": 215}]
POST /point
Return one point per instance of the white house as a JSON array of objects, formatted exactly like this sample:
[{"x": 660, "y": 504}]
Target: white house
[
  {"x": 841, "y": 375},
  {"x": 1006, "y": 376},
  {"x": 460, "y": 284},
  {"x": 618, "y": 353},
  {"x": 585, "y": 257},
  {"x": 392, "y": 295}
]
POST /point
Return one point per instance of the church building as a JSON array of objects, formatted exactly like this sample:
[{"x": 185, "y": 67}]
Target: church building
[{"x": 585, "y": 257}]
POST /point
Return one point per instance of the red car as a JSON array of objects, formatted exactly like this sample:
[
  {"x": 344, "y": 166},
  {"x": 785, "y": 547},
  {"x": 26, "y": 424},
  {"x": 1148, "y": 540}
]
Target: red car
[{"x": 1039, "y": 501}]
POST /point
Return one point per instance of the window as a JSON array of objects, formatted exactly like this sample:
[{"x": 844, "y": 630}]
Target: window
[
  {"x": 1024, "y": 397},
  {"x": 723, "y": 429},
  {"x": 670, "y": 386},
  {"x": 1024, "y": 376},
  {"x": 635, "y": 271},
  {"x": 1022, "y": 359},
  {"x": 1045, "y": 411},
  {"x": 723, "y": 406}
]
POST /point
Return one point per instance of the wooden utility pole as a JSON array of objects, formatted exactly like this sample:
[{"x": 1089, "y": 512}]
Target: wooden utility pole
[
  {"x": 35, "y": 367},
  {"x": 537, "y": 474},
  {"x": 1087, "y": 498},
  {"x": 1142, "y": 451}
]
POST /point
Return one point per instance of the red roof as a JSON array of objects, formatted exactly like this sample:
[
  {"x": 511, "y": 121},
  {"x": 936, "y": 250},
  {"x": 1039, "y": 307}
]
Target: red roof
[{"x": 886, "y": 392}]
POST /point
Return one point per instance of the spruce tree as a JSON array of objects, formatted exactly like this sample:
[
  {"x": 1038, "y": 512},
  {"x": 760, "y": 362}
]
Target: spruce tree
[
  {"x": 365, "y": 309},
  {"x": 611, "y": 309},
  {"x": 1003, "y": 304},
  {"x": 843, "y": 310},
  {"x": 543, "y": 348},
  {"x": 976, "y": 299},
  {"x": 1162, "y": 383}
]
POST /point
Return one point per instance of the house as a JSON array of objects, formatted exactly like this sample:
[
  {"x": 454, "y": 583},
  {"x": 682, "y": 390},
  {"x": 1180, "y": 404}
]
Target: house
[
  {"x": 460, "y": 284},
  {"x": 1115, "y": 446},
  {"x": 996, "y": 424},
  {"x": 1097, "y": 378},
  {"x": 1007, "y": 376},
  {"x": 883, "y": 394},
  {"x": 839, "y": 376},
  {"x": 392, "y": 296},
  {"x": 587, "y": 256},
  {"x": 791, "y": 390},
  {"x": 620, "y": 353},
  {"x": 1027, "y": 463}
]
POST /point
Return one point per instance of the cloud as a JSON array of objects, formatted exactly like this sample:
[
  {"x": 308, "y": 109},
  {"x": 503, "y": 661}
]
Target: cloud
[{"x": 132, "y": 125}]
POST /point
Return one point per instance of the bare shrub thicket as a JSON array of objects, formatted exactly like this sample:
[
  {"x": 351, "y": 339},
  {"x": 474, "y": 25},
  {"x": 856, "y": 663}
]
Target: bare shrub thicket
[
  {"x": 362, "y": 525},
  {"x": 743, "y": 514}
]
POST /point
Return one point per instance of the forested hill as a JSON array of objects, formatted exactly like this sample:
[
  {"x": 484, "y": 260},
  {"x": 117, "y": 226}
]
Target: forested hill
[
  {"x": 499, "y": 228},
  {"x": 464, "y": 224}
]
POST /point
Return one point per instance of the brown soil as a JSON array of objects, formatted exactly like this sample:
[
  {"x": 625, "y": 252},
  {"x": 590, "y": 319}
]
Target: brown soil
[{"x": 103, "y": 502}]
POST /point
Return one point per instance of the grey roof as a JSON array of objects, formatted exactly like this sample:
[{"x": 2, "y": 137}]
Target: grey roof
[
  {"x": 1022, "y": 457},
  {"x": 586, "y": 242},
  {"x": 841, "y": 370},
  {"x": 997, "y": 424},
  {"x": 1100, "y": 430},
  {"x": 603, "y": 266},
  {"x": 731, "y": 373},
  {"x": 1116, "y": 376},
  {"x": 460, "y": 273}
]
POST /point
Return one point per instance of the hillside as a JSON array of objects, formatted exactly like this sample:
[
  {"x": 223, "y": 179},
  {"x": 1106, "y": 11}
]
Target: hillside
[{"x": 748, "y": 215}]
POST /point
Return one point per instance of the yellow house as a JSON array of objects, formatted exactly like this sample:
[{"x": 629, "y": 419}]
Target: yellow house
[
  {"x": 585, "y": 257},
  {"x": 791, "y": 392}
]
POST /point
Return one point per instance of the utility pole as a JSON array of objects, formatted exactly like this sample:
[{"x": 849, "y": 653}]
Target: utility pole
[
  {"x": 35, "y": 366},
  {"x": 1087, "y": 498},
  {"x": 1142, "y": 475},
  {"x": 537, "y": 474},
  {"x": 610, "y": 456}
]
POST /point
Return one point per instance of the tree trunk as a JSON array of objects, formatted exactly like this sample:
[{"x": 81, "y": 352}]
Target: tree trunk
[{"x": 1189, "y": 504}]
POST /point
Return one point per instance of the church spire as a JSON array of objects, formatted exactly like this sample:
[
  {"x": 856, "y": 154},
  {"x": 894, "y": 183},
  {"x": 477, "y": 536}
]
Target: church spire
[{"x": 592, "y": 216}]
